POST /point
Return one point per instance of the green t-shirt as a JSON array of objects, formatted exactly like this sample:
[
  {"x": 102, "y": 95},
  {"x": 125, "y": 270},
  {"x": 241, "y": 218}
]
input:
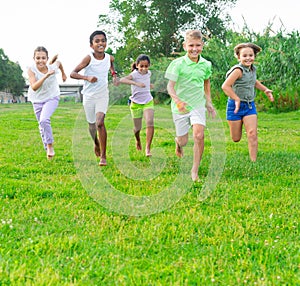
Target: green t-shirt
[{"x": 189, "y": 77}]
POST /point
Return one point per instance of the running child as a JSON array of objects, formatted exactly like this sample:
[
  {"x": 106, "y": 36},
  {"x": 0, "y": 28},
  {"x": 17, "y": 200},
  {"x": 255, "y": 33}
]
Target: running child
[
  {"x": 96, "y": 66},
  {"x": 141, "y": 100},
  {"x": 239, "y": 86},
  {"x": 44, "y": 93},
  {"x": 189, "y": 89}
]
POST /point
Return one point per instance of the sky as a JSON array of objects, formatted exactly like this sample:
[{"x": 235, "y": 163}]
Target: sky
[{"x": 63, "y": 27}]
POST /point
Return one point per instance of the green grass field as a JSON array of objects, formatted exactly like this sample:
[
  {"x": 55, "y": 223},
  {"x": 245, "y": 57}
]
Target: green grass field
[{"x": 142, "y": 221}]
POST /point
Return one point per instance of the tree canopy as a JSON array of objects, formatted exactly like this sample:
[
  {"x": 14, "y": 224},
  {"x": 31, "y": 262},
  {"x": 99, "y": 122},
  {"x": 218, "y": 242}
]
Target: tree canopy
[
  {"x": 156, "y": 26},
  {"x": 11, "y": 78}
]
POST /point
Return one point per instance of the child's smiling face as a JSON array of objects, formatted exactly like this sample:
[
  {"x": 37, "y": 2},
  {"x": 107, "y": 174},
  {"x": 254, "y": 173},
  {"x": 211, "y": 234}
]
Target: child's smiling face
[
  {"x": 143, "y": 66},
  {"x": 40, "y": 59},
  {"x": 246, "y": 57},
  {"x": 99, "y": 43},
  {"x": 193, "y": 48}
]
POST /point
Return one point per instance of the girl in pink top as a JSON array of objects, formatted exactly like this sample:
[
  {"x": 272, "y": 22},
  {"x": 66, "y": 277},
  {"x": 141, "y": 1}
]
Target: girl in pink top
[{"x": 141, "y": 100}]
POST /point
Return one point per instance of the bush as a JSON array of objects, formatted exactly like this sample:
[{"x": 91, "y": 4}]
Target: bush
[{"x": 277, "y": 67}]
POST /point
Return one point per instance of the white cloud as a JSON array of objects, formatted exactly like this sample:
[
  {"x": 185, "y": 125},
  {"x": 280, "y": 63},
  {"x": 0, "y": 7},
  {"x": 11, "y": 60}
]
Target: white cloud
[{"x": 259, "y": 13}]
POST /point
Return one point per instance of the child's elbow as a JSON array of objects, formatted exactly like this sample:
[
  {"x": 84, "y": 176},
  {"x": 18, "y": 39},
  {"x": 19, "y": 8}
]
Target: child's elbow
[{"x": 224, "y": 88}]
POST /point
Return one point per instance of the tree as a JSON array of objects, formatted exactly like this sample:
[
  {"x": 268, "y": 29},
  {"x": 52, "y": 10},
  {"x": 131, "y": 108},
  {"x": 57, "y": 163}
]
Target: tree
[
  {"x": 3, "y": 64},
  {"x": 11, "y": 78},
  {"x": 156, "y": 26}
]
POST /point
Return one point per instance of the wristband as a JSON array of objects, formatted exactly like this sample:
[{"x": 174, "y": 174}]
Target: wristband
[{"x": 113, "y": 73}]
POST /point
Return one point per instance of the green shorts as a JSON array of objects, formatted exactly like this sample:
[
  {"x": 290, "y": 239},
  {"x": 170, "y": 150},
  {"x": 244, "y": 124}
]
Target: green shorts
[{"x": 137, "y": 109}]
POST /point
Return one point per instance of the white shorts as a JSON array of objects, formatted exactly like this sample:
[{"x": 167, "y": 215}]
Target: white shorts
[
  {"x": 94, "y": 105},
  {"x": 183, "y": 122}
]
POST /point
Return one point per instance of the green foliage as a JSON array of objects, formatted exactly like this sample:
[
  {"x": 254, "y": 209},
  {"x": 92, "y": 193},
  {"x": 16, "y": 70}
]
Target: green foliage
[
  {"x": 277, "y": 66},
  {"x": 3, "y": 75},
  {"x": 11, "y": 78},
  {"x": 155, "y": 27}
]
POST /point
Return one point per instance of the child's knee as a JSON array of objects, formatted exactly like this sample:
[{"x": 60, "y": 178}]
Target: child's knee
[
  {"x": 100, "y": 123},
  {"x": 136, "y": 130},
  {"x": 252, "y": 135},
  {"x": 236, "y": 139},
  {"x": 198, "y": 137},
  {"x": 149, "y": 123},
  {"x": 236, "y": 136},
  {"x": 182, "y": 140}
]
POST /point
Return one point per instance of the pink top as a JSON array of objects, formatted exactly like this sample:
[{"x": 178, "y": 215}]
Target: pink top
[{"x": 141, "y": 95}]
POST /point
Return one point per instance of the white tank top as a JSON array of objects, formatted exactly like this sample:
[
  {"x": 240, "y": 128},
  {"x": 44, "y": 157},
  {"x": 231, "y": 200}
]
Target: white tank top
[
  {"x": 49, "y": 88},
  {"x": 99, "y": 69}
]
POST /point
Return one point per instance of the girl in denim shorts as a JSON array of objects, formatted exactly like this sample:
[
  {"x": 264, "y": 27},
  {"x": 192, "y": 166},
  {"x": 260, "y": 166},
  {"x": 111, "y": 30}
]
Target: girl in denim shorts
[{"x": 239, "y": 86}]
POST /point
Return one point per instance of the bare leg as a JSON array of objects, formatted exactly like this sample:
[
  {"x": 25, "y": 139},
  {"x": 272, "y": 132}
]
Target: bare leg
[
  {"x": 235, "y": 130},
  {"x": 93, "y": 133},
  {"x": 198, "y": 134},
  {"x": 149, "y": 137},
  {"x": 149, "y": 115},
  {"x": 178, "y": 149},
  {"x": 250, "y": 123},
  {"x": 50, "y": 151},
  {"x": 136, "y": 130},
  {"x": 180, "y": 141},
  {"x": 102, "y": 137}
]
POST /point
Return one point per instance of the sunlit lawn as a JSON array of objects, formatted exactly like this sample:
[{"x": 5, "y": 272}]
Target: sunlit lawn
[{"x": 140, "y": 221}]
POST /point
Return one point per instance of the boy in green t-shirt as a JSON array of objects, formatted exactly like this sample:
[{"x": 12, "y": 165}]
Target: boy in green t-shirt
[{"x": 189, "y": 88}]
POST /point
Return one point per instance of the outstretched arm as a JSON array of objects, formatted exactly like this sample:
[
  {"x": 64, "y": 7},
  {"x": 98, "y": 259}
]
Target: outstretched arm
[
  {"x": 60, "y": 66},
  {"x": 208, "y": 105},
  {"x": 53, "y": 60},
  {"x": 263, "y": 88},
  {"x": 63, "y": 75},
  {"x": 128, "y": 80}
]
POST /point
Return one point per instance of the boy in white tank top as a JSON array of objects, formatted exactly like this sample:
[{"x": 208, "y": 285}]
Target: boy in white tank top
[{"x": 96, "y": 66}]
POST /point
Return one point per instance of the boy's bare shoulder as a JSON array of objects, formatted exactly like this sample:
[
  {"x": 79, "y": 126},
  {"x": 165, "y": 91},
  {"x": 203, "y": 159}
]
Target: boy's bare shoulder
[{"x": 112, "y": 58}]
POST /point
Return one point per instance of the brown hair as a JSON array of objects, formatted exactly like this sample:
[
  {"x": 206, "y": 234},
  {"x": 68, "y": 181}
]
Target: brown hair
[
  {"x": 140, "y": 58},
  {"x": 256, "y": 49},
  {"x": 41, "y": 49}
]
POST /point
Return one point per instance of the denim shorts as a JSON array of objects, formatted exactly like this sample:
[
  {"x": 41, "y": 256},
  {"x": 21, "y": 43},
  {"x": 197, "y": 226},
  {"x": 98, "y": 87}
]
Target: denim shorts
[{"x": 246, "y": 109}]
